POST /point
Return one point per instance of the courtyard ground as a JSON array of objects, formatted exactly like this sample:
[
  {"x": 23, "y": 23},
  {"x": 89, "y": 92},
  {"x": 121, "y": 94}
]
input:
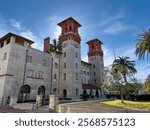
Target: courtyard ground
[
  {"x": 129, "y": 104},
  {"x": 105, "y": 106}
]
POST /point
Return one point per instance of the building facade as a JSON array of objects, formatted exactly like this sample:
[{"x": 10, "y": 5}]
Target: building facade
[{"x": 26, "y": 72}]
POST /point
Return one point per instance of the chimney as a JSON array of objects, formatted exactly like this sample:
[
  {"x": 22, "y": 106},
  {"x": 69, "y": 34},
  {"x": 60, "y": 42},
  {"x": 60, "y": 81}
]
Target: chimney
[{"x": 46, "y": 44}]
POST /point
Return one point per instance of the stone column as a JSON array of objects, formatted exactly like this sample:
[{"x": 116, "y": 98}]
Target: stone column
[
  {"x": 13, "y": 100},
  {"x": 12, "y": 39},
  {"x": 5, "y": 42},
  {"x": 53, "y": 102},
  {"x": 39, "y": 99}
]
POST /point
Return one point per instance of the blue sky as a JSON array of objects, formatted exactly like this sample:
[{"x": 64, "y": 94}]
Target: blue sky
[{"x": 115, "y": 22}]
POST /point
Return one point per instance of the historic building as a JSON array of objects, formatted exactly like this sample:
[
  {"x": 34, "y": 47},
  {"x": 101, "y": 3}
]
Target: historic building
[{"x": 26, "y": 72}]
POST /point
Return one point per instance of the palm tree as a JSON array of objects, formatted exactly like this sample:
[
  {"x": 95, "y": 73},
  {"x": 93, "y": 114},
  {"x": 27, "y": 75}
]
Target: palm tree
[
  {"x": 143, "y": 45},
  {"x": 56, "y": 51},
  {"x": 56, "y": 46},
  {"x": 123, "y": 67}
]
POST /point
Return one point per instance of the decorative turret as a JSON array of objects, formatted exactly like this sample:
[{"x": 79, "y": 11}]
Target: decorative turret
[
  {"x": 70, "y": 61},
  {"x": 95, "y": 58},
  {"x": 95, "y": 48},
  {"x": 69, "y": 30}
]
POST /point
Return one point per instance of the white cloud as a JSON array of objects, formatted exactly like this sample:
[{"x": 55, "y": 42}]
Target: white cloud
[
  {"x": 52, "y": 28},
  {"x": 143, "y": 71},
  {"x": 85, "y": 58},
  {"x": 116, "y": 28},
  {"x": 30, "y": 35},
  {"x": 16, "y": 24},
  {"x": 114, "y": 24},
  {"x": 108, "y": 56},
  {"x": 106, "y": 20}
]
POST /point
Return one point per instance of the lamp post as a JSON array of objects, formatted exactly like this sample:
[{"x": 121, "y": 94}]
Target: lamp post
[{"x": 25, "y": 65}]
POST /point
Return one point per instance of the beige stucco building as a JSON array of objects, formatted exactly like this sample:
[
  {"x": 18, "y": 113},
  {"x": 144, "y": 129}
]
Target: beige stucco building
[{"x": 26, "y": 72}]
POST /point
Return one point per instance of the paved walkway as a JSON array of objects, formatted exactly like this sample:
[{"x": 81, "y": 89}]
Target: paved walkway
[
  {"x": 43, "y": 109},
  {"x": 7, "y": 109}
]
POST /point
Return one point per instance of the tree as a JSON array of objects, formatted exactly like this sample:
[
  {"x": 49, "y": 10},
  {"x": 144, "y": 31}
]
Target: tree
[
  {"x": 56, "y": 46},
  {"x": 143, "y": 45},
  {"x": 147, "y": 84},
  {"x": 56, "y": 51},
  {"x": 121, "y": 68}
]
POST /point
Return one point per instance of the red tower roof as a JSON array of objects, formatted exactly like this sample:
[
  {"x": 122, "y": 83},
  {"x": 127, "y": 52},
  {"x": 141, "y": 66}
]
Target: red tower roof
[
  {"x": 68, "y": 19},
  {"x": 95, "y": 47},
  {"x": 94, "y": 40}
]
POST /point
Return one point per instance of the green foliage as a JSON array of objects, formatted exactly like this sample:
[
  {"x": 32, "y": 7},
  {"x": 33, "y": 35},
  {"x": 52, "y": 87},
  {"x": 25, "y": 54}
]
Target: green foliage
[
  {"x": 121, "y": 68},
  {"x": 147, "y": 84},
  {"x": 56, "y": 46},
  {"x": 143, "y": 45}
]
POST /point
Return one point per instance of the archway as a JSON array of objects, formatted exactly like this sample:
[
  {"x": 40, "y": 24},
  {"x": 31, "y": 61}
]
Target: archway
[
  {"x": 24, "y": 93},
  {"x": 64, "y": 93},
  {"x": 41, "y": 90},
  {"x": 84, "y": 92},
  {"x": 97, "y": 94}
]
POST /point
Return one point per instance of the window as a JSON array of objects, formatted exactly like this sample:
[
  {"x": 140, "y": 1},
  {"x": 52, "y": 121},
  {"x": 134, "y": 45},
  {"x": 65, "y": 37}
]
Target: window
[
  {"x": 70, "y": 28},
  {"x": 84, "y": 72},
  {"x": 76, "y": 76},
  {"x": 2, "y": 44},
  {"x": 5, "y": 55},
  {"x": 76, "y": 65},
  {"x": 64, "y": 65},
  {"x": 56, "y": 65},
  {"x": 77, "y": 92},
  {"x": 55, "y": 76},
  {"x": 65, "y": 29},
  {"x": 87, "y": 73},
  {"x": 29, "y": 59},
  {"x": 29, "y": 73},
  {"x": 8, "y": 41},
  {"x": 64, "y": 54},
  {"x": 94, "y": 73},
  {"x": 92, "y": 47},
  {"x": 95, "y": 81},
  {"x": 41, "y": 74},
  {"x": 43, "y": 62},
  {"x": 64, "y": 76},
  {"x": 93, "y": 65},
  {"x": 76, "y": 55}
]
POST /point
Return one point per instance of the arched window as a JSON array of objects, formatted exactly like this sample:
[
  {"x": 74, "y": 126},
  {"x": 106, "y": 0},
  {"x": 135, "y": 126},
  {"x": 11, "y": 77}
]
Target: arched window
[
  {"x": 64, "y": 93},
  {"x": 24, "y": 93},
  {"x": 41, "y": 90}
]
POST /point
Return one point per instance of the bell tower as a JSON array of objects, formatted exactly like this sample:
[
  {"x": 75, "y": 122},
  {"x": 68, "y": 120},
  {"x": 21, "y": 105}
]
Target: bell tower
[
  {"x": 70, "y": 61},
  {"x": 95, "y": 57}
]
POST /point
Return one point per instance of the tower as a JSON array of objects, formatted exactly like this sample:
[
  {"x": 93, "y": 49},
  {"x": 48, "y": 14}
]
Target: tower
[
  {"x": 70, "y": 61},
  {"x": 95, "y": 57}
]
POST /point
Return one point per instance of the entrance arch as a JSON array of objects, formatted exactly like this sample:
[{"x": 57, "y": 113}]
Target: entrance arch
[
  {"x": 97, "y": 94},
  {"x": 64, "y": 93},
  {"x": 24, "y": 93},
  {"x": 41, "y": 90}
]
